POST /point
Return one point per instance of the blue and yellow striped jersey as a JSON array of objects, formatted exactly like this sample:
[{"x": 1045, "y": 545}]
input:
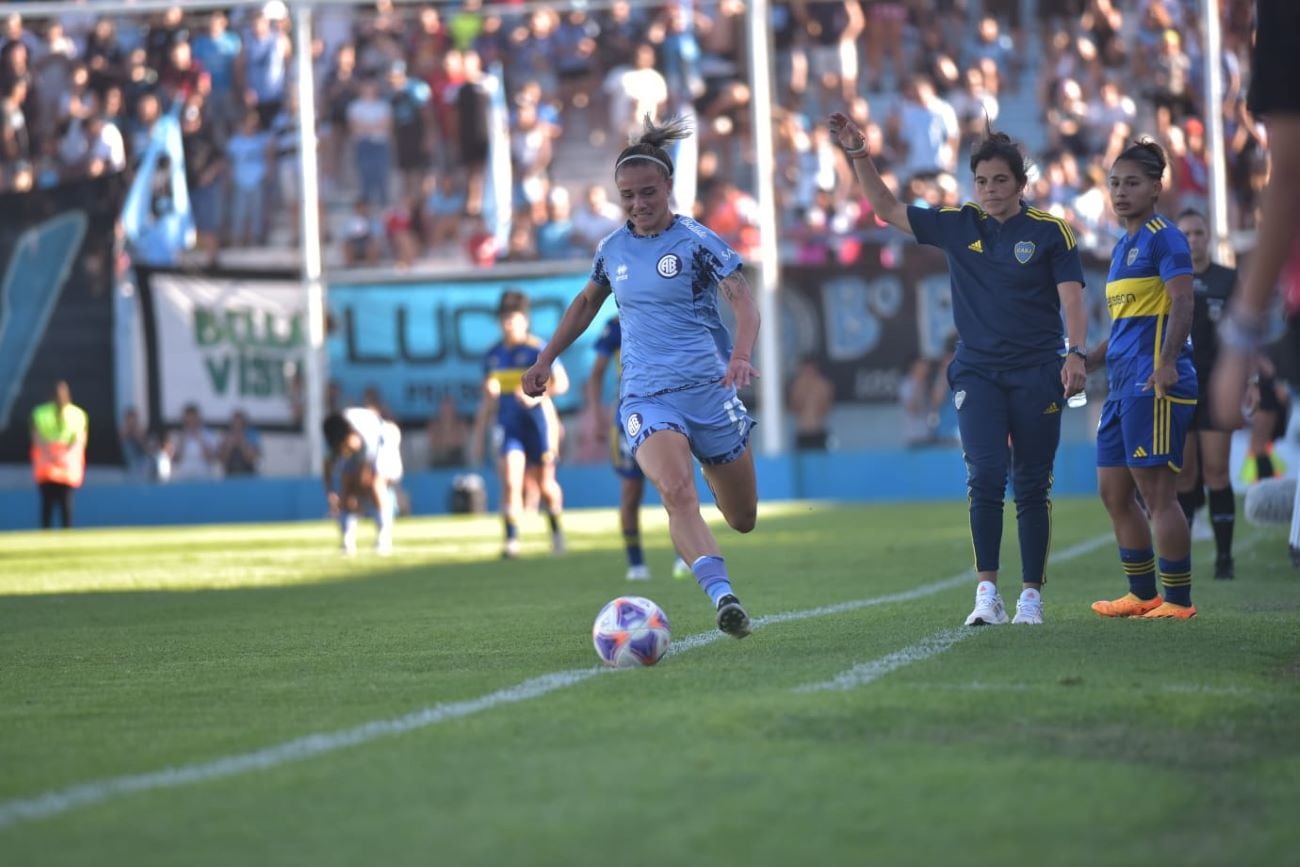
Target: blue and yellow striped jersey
[
  {"x": 1139, "y": 307},
  {"x": 507, "y": 364}
]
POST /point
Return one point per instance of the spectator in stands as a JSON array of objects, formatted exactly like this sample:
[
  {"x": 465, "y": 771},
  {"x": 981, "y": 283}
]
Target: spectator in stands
[
  {"x": 192, "y": 449},
  {"x": 595, "y": 218},
  {"x": 555, "y": 236},
  {"x": 15, "y": 139},
  {"x": 370, "y": 126},
  {"x": 831, "y": 29},
  {"x": 885, "y": 21},
  {"x": 633, "y": 92},
  {"x": 240, "y": 450},
  {"x": 927, "y": 129},
  {"x": 139, "y": 449},
  {"x": 265, "y": 62},
  {"x": 218, "y": 49},
  {"x": 444, "y": 209},
  {"x": 412, "y": 114},
  {"x": 448, "y": 435},
  {"x": 403, "y": 230},
  {"x": 207, "y": 170},
  {"x": 251, "y": 154},
  {"x": 361, "y": 237},
  {"x": 471, "y": 103},
  {"x": 286, "y": 163}
]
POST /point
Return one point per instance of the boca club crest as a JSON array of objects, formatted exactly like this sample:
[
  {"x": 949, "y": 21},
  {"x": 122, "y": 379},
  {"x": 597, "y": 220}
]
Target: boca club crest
[{"x": 1024, "y": 251}]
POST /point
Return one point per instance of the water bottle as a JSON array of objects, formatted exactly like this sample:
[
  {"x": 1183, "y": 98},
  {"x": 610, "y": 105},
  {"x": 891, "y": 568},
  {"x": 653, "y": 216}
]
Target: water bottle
[{"x": 1076, "y": 400}]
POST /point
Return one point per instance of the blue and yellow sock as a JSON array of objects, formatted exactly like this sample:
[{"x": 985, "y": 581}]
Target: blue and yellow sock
[
  {"x": 1176, "y": 579},
  {"x": 711, "y": 574},
  {"x": 512, "y": 529},
  {"x": 1140, "y": 567}
]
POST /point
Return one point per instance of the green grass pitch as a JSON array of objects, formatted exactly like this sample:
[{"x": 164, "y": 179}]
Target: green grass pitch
[{"x": 243, "y": 695}]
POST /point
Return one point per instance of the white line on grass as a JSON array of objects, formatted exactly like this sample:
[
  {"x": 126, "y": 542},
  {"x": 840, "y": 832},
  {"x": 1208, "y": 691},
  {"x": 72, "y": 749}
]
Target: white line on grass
[
  {"x": 54, "y": 803},
  {"x": 865, "y": 672}
]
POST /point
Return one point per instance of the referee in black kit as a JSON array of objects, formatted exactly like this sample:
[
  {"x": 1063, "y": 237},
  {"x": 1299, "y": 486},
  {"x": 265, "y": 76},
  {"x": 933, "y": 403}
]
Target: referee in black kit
[
  {"x": 1014, "y": 269},
  {"x": 1209, "y": 447}
]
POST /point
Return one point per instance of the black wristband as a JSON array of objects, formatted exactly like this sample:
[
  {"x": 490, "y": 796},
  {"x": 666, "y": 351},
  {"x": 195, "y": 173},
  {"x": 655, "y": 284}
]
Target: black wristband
[{"x": 1079, "y": 351}]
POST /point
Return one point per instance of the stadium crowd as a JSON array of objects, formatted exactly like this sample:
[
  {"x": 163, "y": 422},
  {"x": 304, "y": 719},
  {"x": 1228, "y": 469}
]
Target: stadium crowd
[{"x": 403, "y": 95}]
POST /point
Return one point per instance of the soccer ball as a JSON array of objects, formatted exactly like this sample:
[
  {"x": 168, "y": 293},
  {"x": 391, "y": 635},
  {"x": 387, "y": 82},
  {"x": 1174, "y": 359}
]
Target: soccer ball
[{"x": 630, "y": 632}]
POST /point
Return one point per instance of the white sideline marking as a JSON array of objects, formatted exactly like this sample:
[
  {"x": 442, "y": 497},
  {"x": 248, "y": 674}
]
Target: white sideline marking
[
  {"x": 865, "y": 672},
  {"x": 54, "y": 803}
]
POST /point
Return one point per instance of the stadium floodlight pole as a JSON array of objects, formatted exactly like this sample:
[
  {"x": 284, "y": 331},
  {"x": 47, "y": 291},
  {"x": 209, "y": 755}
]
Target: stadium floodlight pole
[
  {"x": 313, "y": 286},
  {"x": 1220, "y": 235},
  {"x": 769, "y": 361}
]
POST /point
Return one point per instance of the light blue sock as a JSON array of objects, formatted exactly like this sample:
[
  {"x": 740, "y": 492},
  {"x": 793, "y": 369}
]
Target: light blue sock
[{"x": 711, "y": 574}]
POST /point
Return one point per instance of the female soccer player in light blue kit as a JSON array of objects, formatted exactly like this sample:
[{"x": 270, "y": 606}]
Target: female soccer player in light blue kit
[{"x": 680, "y": 372}]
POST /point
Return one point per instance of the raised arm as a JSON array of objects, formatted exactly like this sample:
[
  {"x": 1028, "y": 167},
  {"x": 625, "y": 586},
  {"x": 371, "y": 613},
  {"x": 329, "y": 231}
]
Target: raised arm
[
  {"x": 582, "y": 311},
  {"x": 882, "y": 199}
]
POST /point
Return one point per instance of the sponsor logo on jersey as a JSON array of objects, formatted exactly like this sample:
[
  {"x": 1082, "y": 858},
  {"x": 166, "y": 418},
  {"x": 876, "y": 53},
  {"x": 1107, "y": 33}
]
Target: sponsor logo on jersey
[
  {"x": 978, "y": 246},
  {"x": 620, "y": 273},
  {"x": 1052, "y": 408},
  {"x": 959, "y": 398}
]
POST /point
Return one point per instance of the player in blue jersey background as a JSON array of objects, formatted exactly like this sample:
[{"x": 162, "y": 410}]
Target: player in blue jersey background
[
  {"x": 677, "y": 395},
  {"x": 527, "y": 431},
  {"x": 1153, "y": 389},
  {"x": 1015, "y": 270}
]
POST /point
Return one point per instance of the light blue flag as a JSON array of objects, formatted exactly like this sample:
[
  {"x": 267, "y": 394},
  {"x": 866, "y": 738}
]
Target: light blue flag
[
  {"x": 498, "y": 186},
  {"x": 159, "y": 224}
]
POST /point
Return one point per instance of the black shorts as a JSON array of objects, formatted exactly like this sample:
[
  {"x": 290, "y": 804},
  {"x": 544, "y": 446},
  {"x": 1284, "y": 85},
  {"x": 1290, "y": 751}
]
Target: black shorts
[
  {"x": 1275, "y": 62},
  {"x": 1202, "y": 418}
]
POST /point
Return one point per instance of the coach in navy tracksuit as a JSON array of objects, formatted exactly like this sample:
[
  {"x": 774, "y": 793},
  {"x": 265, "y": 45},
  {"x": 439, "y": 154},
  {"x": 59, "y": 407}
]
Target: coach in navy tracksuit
[{"x": 1014, "y": 270}]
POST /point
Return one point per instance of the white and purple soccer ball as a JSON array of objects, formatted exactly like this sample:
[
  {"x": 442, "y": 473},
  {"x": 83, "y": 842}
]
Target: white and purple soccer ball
[{"x": 630, "y": 632}]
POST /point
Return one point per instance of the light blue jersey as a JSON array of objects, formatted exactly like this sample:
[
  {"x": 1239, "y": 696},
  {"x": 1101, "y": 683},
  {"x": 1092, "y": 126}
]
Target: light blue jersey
[{"x": 666, "y": 287}]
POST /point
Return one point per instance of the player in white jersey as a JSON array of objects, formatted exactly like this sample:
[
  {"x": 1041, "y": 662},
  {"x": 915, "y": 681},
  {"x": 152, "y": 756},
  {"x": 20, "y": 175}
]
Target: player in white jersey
[
  {"x": 677, "y": 396},
  {"x": 362, "y": 461}
]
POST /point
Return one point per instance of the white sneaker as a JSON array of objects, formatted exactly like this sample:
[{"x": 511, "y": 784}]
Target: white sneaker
[
  {"x": 348, "y": 547},
  {"x": 558, "y": 547},
  {"x": 1029, "y": 608},
  {"x": 510, "y": 550},
  {"x": 638, "y": 573},
  {"x": 384, "y": 543},
  {"x": 989, "y": 610}
]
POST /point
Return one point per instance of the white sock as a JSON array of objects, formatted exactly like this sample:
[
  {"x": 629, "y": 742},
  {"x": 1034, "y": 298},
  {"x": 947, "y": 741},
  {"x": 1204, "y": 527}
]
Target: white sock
[
  {"x": 1029, "y": 594},
  {"x": 986, "y": 588}
]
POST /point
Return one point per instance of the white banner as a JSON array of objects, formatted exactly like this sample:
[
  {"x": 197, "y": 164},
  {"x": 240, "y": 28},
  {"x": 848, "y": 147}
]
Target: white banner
[{"x": 229, "y": 344}]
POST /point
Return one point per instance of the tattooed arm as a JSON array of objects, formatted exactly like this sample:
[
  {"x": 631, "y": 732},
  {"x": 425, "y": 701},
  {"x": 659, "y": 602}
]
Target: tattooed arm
[
  {"x": 735, "y": 288},
  {"x": 1165, "y": 376}
]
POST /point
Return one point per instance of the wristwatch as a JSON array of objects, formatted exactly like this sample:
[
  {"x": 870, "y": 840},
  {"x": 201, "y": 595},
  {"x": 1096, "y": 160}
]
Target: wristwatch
[{"x": 1079, "y": 351}]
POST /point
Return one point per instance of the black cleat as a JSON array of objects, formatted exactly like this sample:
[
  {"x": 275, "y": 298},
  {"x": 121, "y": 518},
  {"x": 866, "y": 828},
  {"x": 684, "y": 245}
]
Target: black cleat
[
  {"x": 1224, "y": 569},
  {"x": 732, "y": 618}
]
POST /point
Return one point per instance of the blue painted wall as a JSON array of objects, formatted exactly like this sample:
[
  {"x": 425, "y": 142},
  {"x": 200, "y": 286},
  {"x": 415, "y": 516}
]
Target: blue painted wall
[{"x": 880, "y": 475}]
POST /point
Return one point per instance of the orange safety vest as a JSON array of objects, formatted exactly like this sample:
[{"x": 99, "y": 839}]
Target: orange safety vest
[{"x": 62, "y": 456}]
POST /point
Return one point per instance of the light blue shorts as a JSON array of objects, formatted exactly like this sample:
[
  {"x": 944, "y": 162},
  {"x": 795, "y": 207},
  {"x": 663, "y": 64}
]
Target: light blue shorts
[{"x": 712, "y": 417}]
